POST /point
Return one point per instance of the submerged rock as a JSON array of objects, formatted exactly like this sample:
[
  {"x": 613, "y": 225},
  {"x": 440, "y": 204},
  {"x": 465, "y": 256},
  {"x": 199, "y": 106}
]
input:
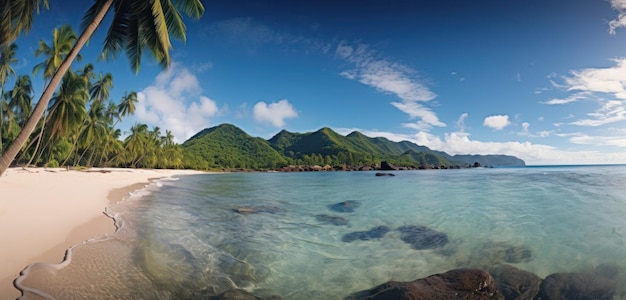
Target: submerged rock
[
  {"x": 422, "y": 237},
  {"x": 384, "y": 174},
  {"x": 374, "y": 233},
  {"x": 584, "y": 285},
  {"x": 257, "y": 209},
  {"x": 515, "y": 284},
  {"x": 493, "y": 253},
  {"x": 237, "y": 294},
  {"x": 333, "y": 220},
  {"x": 345, "y": 206},
  {"x": 455, "y": 284}
]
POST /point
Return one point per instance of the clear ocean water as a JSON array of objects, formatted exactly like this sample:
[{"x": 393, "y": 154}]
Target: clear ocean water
[{"x": 182, "y": 239}]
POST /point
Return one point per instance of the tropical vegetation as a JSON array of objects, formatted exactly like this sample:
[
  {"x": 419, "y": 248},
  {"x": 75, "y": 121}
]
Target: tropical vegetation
[
  {"x": 228, "y": 147},
  {"x": 73, "y": 117}
]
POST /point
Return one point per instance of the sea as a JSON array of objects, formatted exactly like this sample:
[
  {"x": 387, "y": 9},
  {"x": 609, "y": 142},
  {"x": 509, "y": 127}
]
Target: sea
[{"x": 327, "y": 235}]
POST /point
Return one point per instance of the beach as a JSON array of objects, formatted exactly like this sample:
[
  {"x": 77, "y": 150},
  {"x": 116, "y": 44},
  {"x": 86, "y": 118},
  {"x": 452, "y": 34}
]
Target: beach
[{"x": 43, "y": 212}]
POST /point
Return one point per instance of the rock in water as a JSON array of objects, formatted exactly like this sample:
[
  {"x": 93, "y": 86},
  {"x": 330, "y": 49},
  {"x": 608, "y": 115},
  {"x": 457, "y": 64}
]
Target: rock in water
[
  {"x": 374, "y": 233},
  {"x": 333, "y": 220},
  {"x": 422, "y": 237},
  {"x": 514, "y": 283},
  {"x": 585, "y": 285},
  {"x": 345, "y": 206},
  {"x": 384, "y": 174},
  {"x": 238, "y": 294},
  {"x": 455, "y": 284}
]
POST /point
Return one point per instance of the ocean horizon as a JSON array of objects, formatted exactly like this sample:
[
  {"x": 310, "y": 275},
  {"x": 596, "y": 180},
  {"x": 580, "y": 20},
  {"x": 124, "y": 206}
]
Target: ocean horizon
[{"x": 327, "y": 235}]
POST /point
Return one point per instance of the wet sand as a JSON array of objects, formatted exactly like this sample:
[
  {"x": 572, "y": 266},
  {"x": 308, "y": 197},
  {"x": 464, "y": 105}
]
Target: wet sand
[{"x": 43, "y": 212}]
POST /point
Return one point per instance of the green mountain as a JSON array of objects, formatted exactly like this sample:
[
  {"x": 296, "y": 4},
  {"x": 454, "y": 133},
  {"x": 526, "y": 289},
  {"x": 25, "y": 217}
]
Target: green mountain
[
  {"x": 490, "y": 160},
  {"x": 226, "y": 146}
]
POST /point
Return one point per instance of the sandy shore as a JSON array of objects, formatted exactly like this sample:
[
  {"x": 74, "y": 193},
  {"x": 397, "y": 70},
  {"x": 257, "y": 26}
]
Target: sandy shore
[{"x": 45, "y": 211}]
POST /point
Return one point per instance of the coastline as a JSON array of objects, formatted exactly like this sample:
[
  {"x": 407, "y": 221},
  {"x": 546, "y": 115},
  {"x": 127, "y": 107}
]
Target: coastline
[{"x": 43, "y": 212}]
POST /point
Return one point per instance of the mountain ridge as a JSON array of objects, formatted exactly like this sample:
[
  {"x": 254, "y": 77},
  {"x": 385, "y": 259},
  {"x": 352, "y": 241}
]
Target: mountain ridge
[{"x": 227, "y": 146}]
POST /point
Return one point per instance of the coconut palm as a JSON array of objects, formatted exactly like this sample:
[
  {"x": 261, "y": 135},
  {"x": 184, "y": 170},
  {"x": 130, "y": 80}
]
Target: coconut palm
[
  {"x": 67, "y": 109},
  {"x": 20, "y": 98},
  {"x": 7, "y": 59},
  {"x": 16, "y": 16},
  {"x": 62, "y": 40},
  {"x": 136, "y": 26}
]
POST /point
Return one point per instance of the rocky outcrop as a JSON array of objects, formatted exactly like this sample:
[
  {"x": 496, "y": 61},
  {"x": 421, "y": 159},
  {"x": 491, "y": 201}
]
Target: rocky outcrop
[
  {"x": 386, "y": 166},
  {"x": 515, "y": 284},
  {"x": 455, "y": 284},
  {"x": 577, "y": 286}
]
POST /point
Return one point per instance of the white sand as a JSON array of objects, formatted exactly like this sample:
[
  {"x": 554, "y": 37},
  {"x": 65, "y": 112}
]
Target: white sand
[{"x": 45, "y": 211}]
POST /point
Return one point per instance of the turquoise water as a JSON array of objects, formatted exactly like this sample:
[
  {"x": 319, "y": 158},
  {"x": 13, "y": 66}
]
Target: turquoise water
[{"x": 182, "y": 238}]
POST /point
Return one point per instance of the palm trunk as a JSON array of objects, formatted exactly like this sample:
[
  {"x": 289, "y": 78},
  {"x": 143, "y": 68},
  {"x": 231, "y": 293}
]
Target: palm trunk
[{"x": 9, "y": 155}]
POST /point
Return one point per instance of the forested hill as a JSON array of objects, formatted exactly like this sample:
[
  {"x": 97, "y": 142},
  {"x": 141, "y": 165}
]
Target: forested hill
[{"x": 227, "y": 146}]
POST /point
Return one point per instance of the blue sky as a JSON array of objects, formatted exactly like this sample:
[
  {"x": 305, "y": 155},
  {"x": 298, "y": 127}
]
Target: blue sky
[{"x": 541, "y": 80}]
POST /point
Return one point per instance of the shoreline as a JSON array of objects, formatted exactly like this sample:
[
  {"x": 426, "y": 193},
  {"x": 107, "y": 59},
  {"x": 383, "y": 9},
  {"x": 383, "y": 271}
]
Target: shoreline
[{"x": 48, "y": 211}]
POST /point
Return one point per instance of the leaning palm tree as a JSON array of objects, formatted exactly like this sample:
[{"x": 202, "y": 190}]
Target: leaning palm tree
[
  {"x": 136, "y": 26},
  {"x": 16, "y": 17}
]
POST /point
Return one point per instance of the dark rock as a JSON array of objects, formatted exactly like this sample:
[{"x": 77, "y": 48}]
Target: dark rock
[
  {"x": 238, "y": 294},
  {"x": 476, "y": 165},
  {"x": 422, "y": 237},
  {"x": 515, "y": 284},
  {"x": 386, "y": 166},
  {"x": 455, "y": 284},
  {"x": 385, "y": 174},
  {"x": 374, "y": 233},
  {"x": 257, "y": 209},
  {"x": 345, "y": 206},
  {"x": 577, "y": 286},
  {"x": 333, "y": 220}
]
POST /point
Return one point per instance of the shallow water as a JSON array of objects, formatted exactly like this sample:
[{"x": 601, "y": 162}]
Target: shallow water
[{"x": 182, "y": 239}]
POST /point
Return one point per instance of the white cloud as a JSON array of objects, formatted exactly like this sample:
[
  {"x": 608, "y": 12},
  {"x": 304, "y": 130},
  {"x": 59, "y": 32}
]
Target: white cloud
[
  {"x": 525, "y": 132},
  {"x": 533, "y": 154},
  {"x": 570, "y": 99},
  {"x": 609, "y": 80},
  {"x": 620, "y": 6},
  {"x": 612, "y": 111},
  {"x": 497, "y": 122},
  {"x": 390, "y": 78},
  {"x": 460, "y": 123},
  {"x": 174, "y": 102},
  {"x": 274, "y": 113}
]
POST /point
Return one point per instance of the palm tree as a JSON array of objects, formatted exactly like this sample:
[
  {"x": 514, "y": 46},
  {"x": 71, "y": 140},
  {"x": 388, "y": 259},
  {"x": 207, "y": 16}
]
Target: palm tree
[
  {"x": 20, "y": 98},
  {"x": 136, "y": 25},
  {"x": 16, "y": 16},
  {"x": 67, "y": 109},
  {"x": 100, "y": 90},
  {"x": 7, "y": 58},
  {"x": 62, "y": 40}
]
